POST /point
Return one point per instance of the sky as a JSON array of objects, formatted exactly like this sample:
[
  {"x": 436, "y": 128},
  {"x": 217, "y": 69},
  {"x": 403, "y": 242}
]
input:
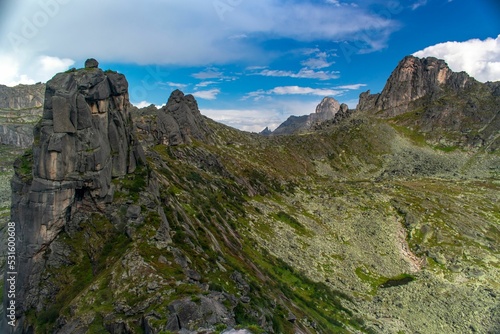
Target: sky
[{"x": 249, "y": 63}]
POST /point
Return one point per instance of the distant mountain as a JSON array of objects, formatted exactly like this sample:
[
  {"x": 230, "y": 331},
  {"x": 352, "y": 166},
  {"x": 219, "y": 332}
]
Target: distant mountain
[
  {"x": 20, "y": 109},
  {"x": 326, "y": 110}
]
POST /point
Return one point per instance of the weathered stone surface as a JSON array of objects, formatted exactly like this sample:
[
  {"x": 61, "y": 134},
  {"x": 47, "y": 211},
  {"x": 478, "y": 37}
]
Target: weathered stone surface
[
  {"x": 62, "y": 115},
  {"x": 75, "y": 156},
  {"x": 84, "y": 115},
  {"x": 91, "y": 63},
  {"x": 118, "y": 83},
  {"x": 188, "y": 315},
  {"x": 180, "y": 121}
]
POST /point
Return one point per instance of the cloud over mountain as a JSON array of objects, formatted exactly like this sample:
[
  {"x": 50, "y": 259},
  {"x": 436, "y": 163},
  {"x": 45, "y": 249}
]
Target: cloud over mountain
[{"x": 479, "y": 58}]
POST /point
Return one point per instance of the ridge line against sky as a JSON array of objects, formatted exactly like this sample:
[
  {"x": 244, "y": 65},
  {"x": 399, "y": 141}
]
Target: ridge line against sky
[{"x": 250, "y": 64}]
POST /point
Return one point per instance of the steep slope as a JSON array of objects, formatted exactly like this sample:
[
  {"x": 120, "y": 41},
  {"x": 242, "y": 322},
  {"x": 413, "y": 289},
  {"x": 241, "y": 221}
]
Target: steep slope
[{"x": 359, "y": 225}]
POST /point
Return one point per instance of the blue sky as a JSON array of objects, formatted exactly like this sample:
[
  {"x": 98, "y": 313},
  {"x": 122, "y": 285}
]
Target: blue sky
[{"x": 250, "y": 64}]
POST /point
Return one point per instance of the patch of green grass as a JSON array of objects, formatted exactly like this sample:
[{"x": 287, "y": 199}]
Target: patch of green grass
[
  {"x": 95, "y": 247},
  {"x": 446, "y": 149},
  {"x": 377, "y": 281},
  {"x": 24, "y": 166},
  {"x": 292, "y": 222}
]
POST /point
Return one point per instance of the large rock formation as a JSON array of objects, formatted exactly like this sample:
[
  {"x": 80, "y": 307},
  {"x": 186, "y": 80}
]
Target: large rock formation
[
  {"x": 180, "y": 121},
  {"x": 326, "y": 110},
  {"x": 83, "y": 141},
  {"x": 411, "y": 80},
  {"x": 452, "y": 109}
]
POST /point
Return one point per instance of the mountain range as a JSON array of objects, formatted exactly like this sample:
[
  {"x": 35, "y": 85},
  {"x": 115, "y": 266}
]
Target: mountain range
[{"x": 379, "y": 219}]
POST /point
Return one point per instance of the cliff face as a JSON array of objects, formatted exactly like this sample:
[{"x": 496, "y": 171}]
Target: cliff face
[
  {"x": 83, "y": 141},
  {"x": 20, "y": 108},
  {"x": 22, "y": 96},
  {"x": 451, "y": 109},
  {"x": 413, "y": 79}
]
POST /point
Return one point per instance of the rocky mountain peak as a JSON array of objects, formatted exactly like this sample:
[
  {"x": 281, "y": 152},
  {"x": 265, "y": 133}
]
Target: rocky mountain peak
[
  {"x": 328, "y": 109},
  {"x": 412, "y": 79},
  {"x": 328, "y": 105},
  {"x": 180, "y": 121}
]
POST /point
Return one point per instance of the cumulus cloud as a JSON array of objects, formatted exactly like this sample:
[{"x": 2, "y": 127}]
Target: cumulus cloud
[
  {"x": 174, "y": 84},
  {"x": 479, "y": 58},
  {"x": 298, "y": 90},
  {"x": 292, "y": 90},
  {"x": 17, "y": 69},
  {"x": 320, "y": 60},
  {"x": 304, "y": 73},
  {"x": 418, "y": 4},
  {"x": 210, "y": 94}
]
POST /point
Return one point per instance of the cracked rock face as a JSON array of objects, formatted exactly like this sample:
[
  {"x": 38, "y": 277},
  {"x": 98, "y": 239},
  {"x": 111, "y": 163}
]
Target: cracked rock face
[
  {"x": 411, "y": 80},
  {"x": 180, "y": 121},
  {"x": 83, "y": 141}
]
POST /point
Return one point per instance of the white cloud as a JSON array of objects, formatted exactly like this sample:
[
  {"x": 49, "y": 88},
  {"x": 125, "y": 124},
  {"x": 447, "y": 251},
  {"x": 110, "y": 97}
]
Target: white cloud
[
  {"x": 209, "y": 73},
  {"x": 333, "y": 2},
  {"x": 174, "y": 84},
  {"x": 296, "y": 90},
  {"x": 143, "y": 104},
  {"x": 210, "y": 94},
  {"x": 418, "y": 4},
  {"x": 351, "y": 87},
  {"x": 292, "y": 90},
  {"x": 304, "y": 73},
  {"x": 20, "y": 69},
  {"x": 320, "y": 60},
  {"x": 163, "y": 31},
  {"x": 479, "y": 58},
  {"x": 205, "y": 83}
]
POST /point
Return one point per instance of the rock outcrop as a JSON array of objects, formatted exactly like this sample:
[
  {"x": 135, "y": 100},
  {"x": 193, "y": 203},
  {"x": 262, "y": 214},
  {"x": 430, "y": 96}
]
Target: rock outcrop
[
  {"x": 266, "y": 132},
  {"x": 20, "y": 108},
  {"x": 326, "y": 110},
  {"x": 180, "y": 121},
  {"x": 452, "y": 109},
  {"x": 83, "y": 141}
]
